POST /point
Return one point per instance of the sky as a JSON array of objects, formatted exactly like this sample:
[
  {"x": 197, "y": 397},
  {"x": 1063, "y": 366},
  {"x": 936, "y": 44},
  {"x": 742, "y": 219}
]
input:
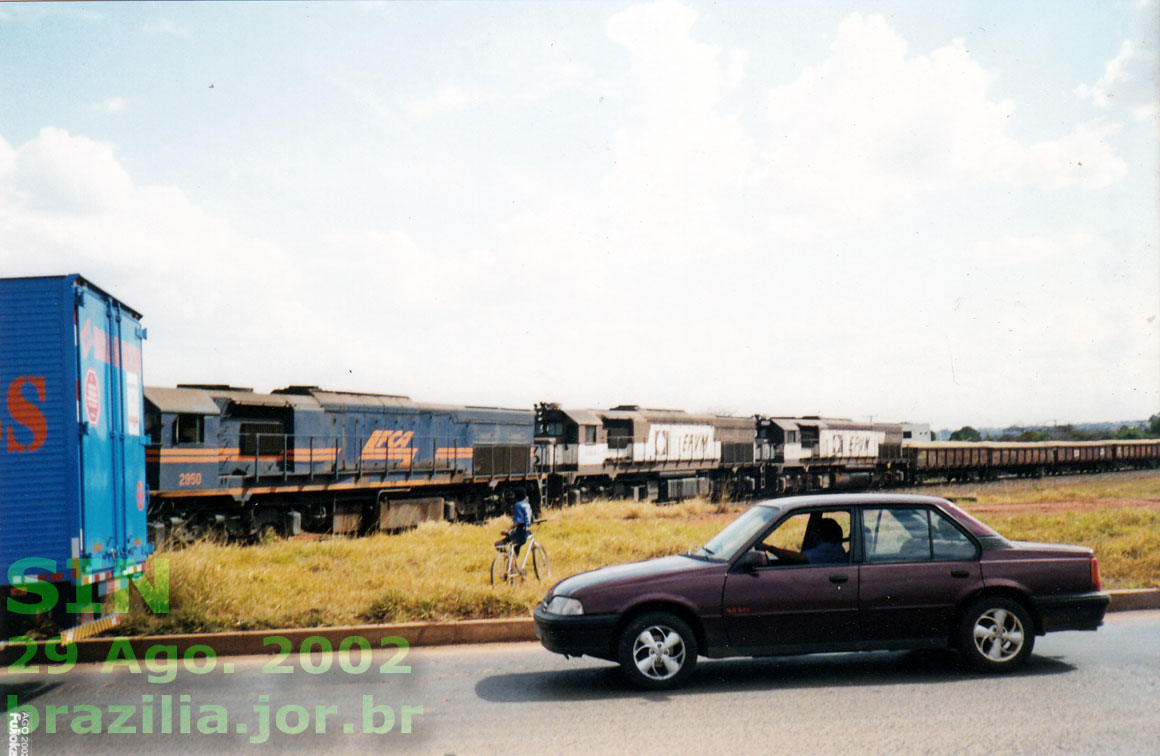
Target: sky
[{"x": 906, "y": 211}]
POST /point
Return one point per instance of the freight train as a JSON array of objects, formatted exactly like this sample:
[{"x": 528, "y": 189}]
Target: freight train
[{"x": 230, "y": 460}]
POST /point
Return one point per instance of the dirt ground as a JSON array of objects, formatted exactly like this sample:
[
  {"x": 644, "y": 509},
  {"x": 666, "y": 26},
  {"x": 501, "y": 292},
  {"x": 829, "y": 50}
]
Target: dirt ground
[{"x": 1059, "y": 506}]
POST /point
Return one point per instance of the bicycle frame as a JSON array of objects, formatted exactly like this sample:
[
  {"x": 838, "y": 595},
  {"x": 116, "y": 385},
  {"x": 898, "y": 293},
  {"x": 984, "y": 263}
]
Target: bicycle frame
[{"x": 515, "y": 570}]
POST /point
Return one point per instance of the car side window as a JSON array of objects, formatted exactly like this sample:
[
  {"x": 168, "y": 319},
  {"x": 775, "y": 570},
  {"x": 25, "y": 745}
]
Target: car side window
[
  {"x": 950, "y": 543},
  {"x": 896, "y": 534},
  {"x": 807, "y": 538}
]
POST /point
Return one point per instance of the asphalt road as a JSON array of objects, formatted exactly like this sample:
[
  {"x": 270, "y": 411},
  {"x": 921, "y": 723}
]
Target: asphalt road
[{"x": 1082, "y": 693}]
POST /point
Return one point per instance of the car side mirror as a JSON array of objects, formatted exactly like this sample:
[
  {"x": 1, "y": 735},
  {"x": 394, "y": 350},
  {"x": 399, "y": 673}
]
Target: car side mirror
[{"x": 752, "y": 560}]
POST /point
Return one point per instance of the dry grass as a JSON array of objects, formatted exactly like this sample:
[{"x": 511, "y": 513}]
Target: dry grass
[
  {"x": 441, "y": 570},
  {"x": 1126, "y": 541},
  {"x": 437, "y": 571},
  {"x": 1142, "y": 485}
]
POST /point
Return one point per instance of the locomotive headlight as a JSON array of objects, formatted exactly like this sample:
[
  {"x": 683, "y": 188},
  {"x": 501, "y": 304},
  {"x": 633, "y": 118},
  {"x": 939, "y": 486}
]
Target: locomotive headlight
[{"x": 564, "y": 605}]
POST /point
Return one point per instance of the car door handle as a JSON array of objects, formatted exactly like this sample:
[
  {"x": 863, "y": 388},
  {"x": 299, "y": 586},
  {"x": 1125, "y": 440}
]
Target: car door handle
[
  {"x": 839, "y": 578},
  {"x": 960, "y": 573}
]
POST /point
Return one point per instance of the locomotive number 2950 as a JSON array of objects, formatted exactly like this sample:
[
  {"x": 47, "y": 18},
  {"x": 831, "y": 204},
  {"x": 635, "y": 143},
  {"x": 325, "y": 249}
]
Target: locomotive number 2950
[{"x": 189, "y": 479}]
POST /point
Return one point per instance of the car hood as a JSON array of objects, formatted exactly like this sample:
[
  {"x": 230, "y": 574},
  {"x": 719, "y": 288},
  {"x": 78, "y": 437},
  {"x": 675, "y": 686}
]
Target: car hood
[{"x": 625, "y": 572}]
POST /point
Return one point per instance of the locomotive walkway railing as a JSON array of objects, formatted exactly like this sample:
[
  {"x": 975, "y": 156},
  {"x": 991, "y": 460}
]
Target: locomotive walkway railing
[{"x": 384, "y": 452}]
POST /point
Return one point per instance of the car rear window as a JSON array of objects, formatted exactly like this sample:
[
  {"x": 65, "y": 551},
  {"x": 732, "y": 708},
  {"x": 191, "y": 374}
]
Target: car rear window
[{"x": 910, "y": 534}]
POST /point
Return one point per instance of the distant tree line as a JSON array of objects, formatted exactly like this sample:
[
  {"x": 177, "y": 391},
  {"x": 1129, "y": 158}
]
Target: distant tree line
[{"x": 1064, "y": 433}]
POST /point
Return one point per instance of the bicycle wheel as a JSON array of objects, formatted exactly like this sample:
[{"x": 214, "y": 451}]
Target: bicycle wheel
[
  {"x": 499, "y": 568},
  {"x": 540, "y": 564}
]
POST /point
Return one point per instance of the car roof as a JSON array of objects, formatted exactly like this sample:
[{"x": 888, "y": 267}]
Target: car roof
[
  {"x": 790, "y": 503},
  {"x": 850, "y": 499}
]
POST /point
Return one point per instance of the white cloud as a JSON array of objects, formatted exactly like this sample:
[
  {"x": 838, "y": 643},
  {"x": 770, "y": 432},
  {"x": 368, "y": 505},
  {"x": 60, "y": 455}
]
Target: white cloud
[
  {"x": 1011, "y": 250},
  {"x": 873, "y": 126},
  {"x": 568, "y": 76},
  {"x": 422, "y": 280},
  {"x": 1041, "y": 352},
  {"x": 169, "y": 27},
  {"x": 1083, "y": 158},
  {"x": 447, "y": 99},
  {"x": 7, "y": 158},
  {"x": 1050, "y": 326},
  {"x": 59, "y": 172},
  {"x": 532, "y": 75},
  {"x": 1129, "y": 81},
  {"x": 369, "y": 99},
  {"x": 736, "y": 71},
  {"x": 680, "y": 151},
  {"x": 111, "y": 105},
  {"x": 67, "y": 205}
]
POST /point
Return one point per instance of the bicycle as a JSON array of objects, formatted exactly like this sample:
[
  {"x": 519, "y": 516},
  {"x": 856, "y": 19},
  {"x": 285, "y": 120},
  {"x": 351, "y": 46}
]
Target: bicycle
[{"x": 507, "y": 567}]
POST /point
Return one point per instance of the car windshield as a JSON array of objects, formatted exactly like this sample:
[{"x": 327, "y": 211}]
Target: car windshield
[{"x": 746, "y": 527}]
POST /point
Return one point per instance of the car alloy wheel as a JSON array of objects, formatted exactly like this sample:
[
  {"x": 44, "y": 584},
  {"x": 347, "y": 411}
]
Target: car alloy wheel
[
  {"x": 657, "y": 650},
  {"x": 996, "y": 634}
]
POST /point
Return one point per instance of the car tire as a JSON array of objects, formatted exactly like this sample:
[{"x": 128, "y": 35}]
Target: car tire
[
  {"x": 657, "y": 651},
  {"x": 995, "y": 634}
]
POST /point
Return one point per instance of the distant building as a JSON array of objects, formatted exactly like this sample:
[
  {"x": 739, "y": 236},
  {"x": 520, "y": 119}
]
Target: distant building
[{"x": 918, "y": 432}]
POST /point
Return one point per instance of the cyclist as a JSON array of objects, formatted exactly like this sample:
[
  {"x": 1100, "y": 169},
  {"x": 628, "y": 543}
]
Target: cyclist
[{"x": 522, "y": 519}]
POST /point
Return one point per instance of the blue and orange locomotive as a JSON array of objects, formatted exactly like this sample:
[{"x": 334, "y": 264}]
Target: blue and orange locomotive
[{"x": 247, "y": 464}]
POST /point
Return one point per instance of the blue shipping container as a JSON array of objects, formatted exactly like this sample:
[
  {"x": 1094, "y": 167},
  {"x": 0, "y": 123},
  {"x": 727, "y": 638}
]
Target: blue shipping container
[{"x": 72, "y": 443}]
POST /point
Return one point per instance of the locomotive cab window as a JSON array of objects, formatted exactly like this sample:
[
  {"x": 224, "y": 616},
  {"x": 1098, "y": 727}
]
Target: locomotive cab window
[
  {"x": 552, "y": 429},
  {"x": 589, "y": 434},
  {"x": 153, "y": 425},
  {"x": 189, "y": 429}
]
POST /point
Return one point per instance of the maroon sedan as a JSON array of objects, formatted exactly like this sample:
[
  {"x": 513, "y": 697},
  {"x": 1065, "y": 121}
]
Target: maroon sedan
[{"x": 827, "y": 573}]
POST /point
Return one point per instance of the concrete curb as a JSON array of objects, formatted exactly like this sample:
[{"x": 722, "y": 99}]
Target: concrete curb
[
  {"x": 261, "y": 641},
  {"x": 1135, "y": 598},
  {"x": 416, "y": 634},
  {"x": 291, "y": 640}
]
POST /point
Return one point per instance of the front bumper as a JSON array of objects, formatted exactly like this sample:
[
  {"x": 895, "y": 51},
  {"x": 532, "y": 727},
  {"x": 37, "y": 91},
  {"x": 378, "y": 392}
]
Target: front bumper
[
  {"x": 577, "y": 635},
  {"x": 1077, "y": 611}
]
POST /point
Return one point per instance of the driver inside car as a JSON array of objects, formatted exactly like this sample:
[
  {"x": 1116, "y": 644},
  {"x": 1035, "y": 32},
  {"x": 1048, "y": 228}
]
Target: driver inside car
[{"x": 827, "y": 549}]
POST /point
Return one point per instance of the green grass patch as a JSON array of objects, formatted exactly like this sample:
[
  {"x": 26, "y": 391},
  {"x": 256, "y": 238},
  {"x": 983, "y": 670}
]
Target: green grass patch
[{"x": 440, "y": 571}]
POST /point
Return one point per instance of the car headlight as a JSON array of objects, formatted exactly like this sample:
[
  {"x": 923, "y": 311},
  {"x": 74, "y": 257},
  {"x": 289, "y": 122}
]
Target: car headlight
[{"x": 564, "y": 605}]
